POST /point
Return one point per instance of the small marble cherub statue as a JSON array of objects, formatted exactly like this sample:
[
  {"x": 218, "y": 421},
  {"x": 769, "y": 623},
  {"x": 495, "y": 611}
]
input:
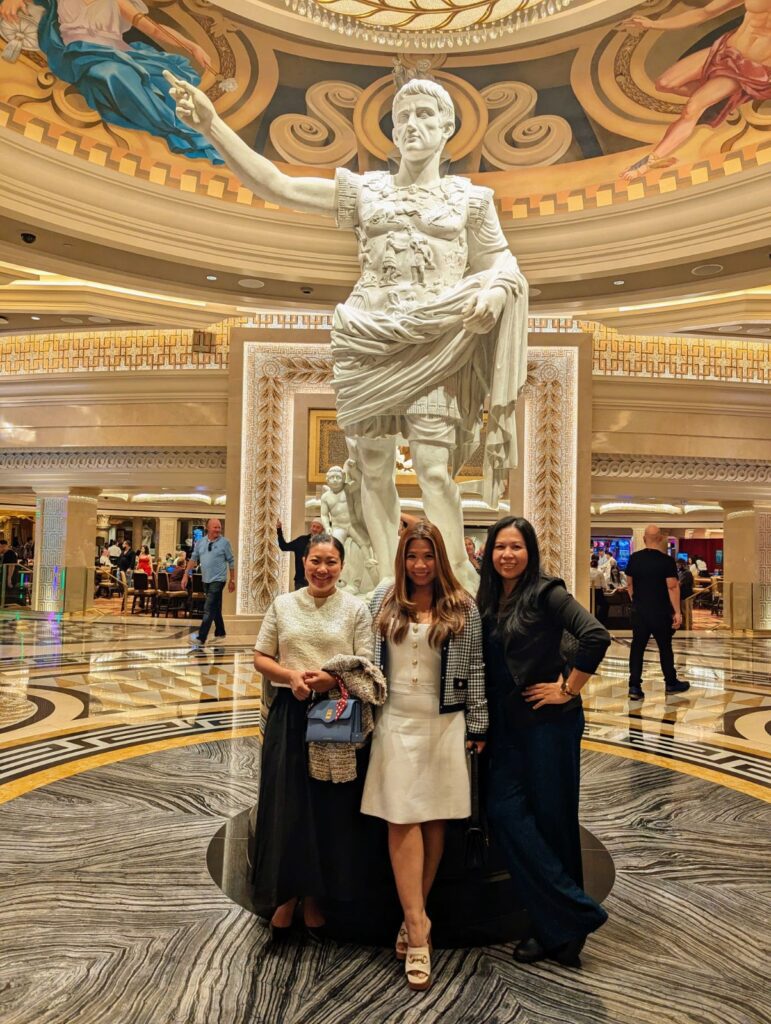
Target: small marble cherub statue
[{"x": 335, "y": 514}]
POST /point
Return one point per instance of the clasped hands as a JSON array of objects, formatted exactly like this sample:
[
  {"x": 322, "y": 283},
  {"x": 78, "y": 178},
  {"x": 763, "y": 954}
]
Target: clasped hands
[{"x": 310, "y": 681}]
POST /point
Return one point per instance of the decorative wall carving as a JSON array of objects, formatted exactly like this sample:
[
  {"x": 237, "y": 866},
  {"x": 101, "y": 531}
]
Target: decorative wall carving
[
  {"x": 113, "y": 351},
  {"x": 105, "y": 460},
  {"x": 691, "y": 469},
  {"x": 274, "y": 373},
  {"x": 551, "y": 417}
]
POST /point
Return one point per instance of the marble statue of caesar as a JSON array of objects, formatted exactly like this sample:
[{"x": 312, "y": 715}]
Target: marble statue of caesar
[{"x": 436, "y": 324}]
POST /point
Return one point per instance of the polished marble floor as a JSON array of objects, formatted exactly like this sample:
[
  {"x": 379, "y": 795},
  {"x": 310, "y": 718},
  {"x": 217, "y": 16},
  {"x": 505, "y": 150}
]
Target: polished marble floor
[{"x": 123, "y": 752}]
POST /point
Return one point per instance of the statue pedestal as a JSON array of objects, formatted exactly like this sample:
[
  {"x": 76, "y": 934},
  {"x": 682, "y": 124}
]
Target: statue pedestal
[{"x": 466, "y": 908}]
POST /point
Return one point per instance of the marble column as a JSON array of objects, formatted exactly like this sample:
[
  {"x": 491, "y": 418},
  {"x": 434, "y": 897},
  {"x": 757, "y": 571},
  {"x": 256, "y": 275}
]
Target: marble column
[
  {"x": 65, "y": 532},
  {"x": 168, "y": 535},
  {"x": 747, "y": 564},
  {"x": 638, "y": 538},
  {"x": 137, "y": 525}
]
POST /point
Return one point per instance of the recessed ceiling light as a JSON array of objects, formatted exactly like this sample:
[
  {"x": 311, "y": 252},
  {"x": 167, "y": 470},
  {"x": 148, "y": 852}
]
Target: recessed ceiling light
[
  {"x": 211, "y": 277},
  {"x": 755, "y": 330},
  {"x": 250, "y": 282},
  {"x": 619, "y": 282},
  {"x": 99, "y": 320},
  {"x": 534, "y": 293},
  {"x": 707, "y": 269},
  {"x": 3, "y": 319},
  {"x": 34, "y": 318},
  {"x": 71, "y": 320},
  {"x": 730, "y": 328}
]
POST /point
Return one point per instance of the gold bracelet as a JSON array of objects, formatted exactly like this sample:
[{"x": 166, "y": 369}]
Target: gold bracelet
[{"x": 564, "y": 688}]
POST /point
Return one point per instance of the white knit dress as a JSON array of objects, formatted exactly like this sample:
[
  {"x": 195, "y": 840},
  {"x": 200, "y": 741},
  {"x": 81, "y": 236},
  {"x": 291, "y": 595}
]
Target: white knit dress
[{"x": 417, "y": 769}]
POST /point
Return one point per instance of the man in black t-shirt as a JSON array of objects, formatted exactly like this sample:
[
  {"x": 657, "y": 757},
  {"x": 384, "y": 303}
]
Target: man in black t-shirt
[
  {"x": 9, "y": 558},
  {"x": 655, "y": 592},
  {"x": 298, "y": 547}
]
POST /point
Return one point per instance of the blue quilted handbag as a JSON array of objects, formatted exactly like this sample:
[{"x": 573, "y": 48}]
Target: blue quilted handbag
[{"x": 335, "y": 721}]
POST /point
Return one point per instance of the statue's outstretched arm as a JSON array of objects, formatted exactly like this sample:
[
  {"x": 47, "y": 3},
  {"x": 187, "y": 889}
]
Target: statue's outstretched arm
[{"x": 309, "y": 195}]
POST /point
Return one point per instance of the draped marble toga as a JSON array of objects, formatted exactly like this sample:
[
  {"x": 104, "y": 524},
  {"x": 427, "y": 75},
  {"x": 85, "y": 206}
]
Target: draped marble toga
[{"x": 404, "y": 365}]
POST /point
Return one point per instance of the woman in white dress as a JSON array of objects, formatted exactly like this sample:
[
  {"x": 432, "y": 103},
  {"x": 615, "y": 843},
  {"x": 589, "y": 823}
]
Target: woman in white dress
[
  {"x": 305, "y": 828},
  {"x": 428, "y": 643}
]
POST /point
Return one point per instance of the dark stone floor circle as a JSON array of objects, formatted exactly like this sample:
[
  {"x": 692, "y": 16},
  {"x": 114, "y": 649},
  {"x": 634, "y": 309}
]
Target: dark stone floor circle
[{"x": 468, "y": 908}]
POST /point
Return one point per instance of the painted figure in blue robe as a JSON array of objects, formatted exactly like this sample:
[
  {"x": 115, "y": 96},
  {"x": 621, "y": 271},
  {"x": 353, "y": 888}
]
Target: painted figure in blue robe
[{"x": 84, "y": 45}]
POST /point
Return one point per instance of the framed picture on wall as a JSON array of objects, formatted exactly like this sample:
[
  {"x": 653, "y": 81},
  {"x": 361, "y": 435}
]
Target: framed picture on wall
[{"x": 326, "y": 447}]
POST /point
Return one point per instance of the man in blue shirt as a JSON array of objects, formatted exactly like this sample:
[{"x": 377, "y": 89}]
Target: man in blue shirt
[{"x": 215, "y": 556}]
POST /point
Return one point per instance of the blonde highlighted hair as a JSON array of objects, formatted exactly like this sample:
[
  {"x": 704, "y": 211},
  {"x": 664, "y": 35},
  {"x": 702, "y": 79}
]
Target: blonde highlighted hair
[{"x": 450, "y": 602}]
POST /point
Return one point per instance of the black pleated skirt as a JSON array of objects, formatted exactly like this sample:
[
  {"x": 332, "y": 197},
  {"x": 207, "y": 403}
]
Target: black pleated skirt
[{"x": 310, "y": 838}]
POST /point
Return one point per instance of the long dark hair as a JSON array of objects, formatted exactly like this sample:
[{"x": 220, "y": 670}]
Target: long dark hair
[
  {"x": 519, "y": 612},
  {"x": 324, "y": 538}
]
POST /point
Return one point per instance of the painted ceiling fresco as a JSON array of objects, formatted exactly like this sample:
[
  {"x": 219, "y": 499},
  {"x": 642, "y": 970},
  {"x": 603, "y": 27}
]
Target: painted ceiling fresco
[{"x": 676, "y": 92}]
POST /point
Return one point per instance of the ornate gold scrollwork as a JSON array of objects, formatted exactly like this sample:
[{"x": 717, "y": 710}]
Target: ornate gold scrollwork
[
  {"x": 323, "y": 137},
  {"x": 514, "y": 138}
]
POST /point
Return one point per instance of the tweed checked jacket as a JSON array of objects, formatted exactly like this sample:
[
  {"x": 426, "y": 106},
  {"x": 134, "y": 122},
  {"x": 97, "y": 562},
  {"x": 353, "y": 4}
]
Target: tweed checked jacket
[{"x": 463, "y": 670}]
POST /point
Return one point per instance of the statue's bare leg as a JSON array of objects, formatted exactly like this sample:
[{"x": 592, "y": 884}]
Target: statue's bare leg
[
  {"x": 678, "y": 133},
  {"x": 379, "y": 498},
  {"x": 441, "y": 503}
]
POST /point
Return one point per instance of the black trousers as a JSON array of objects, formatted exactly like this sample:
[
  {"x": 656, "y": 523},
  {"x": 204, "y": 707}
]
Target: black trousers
[
  {"x": 532, "y": 805},
  {"x": 644, "y": 626},
  {"x": 212, "y": 610}
]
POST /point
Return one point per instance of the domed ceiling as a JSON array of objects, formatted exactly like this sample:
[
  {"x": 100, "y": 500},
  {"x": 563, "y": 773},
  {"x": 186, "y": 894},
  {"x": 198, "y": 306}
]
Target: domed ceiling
[{"x": 619, "y": 137}]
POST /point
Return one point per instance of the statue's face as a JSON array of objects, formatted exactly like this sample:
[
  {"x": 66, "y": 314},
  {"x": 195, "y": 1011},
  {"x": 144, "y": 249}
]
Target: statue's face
[
  {"x": 419, "y": 128},
  {"x": 335, "y": 479}
]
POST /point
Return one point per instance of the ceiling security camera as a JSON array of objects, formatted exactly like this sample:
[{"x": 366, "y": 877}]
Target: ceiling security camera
[{"x": 28, "y": 237}]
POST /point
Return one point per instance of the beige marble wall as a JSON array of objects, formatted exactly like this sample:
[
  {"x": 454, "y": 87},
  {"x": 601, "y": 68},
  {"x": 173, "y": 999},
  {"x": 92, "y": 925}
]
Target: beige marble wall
[
  {"x": 144, "y": 408},
  {"x": 747, "y": 565}
]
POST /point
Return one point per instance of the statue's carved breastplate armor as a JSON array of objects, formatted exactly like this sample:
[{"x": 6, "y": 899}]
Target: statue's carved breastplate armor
[{"x": 412, "y": 241}]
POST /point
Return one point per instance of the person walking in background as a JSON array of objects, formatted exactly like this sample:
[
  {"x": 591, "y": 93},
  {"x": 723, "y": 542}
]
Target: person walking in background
[
  {"x": 8, "y": 558},
  {"x": 598, "y": 583},
  {"x": 428, "y": 643},
  {"x": 654, "y": 588},
  {"x": 298, "y": 547},
  {"x": 536, "y": 723},
  {"x": 215, "y": 556}
]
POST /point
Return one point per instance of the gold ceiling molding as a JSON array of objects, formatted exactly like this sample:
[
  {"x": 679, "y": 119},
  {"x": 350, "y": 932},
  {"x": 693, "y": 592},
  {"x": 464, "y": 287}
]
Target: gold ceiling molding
[
  {"x": 427, "y": 24},
  {"x": 613, "y": 353}
]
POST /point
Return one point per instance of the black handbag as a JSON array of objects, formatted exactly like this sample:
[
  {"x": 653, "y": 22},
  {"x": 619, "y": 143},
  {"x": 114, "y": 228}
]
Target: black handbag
[{"x": 475, "y": 842}]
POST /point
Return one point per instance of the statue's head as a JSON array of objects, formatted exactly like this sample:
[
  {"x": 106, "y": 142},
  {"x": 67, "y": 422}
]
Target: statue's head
[
  {"x": 423, "y": 116},
  {"x": 336, "y": 478}
]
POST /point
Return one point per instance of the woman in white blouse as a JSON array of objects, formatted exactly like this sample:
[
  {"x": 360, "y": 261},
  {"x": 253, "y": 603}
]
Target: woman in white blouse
[{"x": 304, "y": 826}]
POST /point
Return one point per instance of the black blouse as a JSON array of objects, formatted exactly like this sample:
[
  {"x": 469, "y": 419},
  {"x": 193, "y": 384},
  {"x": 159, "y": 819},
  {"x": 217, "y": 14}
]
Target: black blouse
[{"x": 535, "y": 656}]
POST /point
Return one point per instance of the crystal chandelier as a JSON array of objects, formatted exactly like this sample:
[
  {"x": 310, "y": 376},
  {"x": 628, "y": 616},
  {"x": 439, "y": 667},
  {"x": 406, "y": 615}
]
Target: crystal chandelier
[{"x": 426, "y": 24}]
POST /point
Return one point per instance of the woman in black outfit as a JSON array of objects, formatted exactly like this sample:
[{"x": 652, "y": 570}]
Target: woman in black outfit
[{"x": 536, "y": 722}]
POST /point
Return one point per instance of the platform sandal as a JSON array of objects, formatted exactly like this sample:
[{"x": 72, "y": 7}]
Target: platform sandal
[
  {"x": 417, "y": 968},
  {"x": 402, "y": 942}
]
